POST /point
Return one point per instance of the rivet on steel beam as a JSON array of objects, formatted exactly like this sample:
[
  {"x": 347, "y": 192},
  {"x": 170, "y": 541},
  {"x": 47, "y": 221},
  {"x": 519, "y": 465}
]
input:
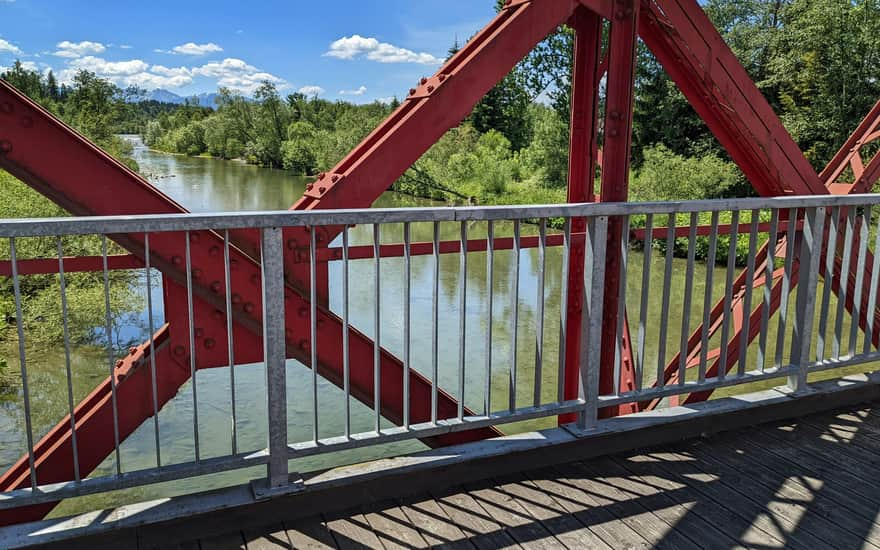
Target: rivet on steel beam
[
  {"x": 214, "y": 250},
  {"x": 176, "y": 260},
  {"x": 612, "y": 132},
  {"x": 249, "y": 307},
  {"x": 430, "y": 89},
  {"x": 132, "y": 350},
  {"x": 194, "y": 236},
  {"x": 179, "y": 351},
  {"x": 423, "y": 81},
  {"x": 334, "y": 179},
  {"x": 236, "y": 299},
  {"x": 441, "y": 78},
  {"x": 303, "y": 312},
  {"x": 412, "y": 91},
  {"x": 27, "y": 122},
  {"x": 6, "y": 107},
  {"x": 199, "y": 332},
  {"x": 209, "y": 343},
  {"x": 217, "y": 315},
  {"x": 322, "y": 190},
  {"x": 215, "y": 287},
  {"x": 619, "y": 14},
  {"x": 5, "y": 146},
  {"x": 119, "y": 363},
  {"x": 310, "y": 186},
  {"x": 291, "y": 244},
  {"x": 197, "y": 273},
  {"x": 321, "y": 175}
]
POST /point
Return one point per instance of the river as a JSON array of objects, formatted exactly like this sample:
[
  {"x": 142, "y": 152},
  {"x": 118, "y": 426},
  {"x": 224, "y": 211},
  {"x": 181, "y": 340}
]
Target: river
[{"x": 203, "y": 184}]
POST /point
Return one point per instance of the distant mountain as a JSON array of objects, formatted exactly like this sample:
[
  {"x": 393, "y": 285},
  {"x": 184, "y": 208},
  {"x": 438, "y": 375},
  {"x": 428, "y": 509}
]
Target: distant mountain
[{"x": 205, "y": 99}]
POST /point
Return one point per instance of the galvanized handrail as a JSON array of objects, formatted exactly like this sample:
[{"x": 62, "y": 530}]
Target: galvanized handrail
[{"x": 808, "y": 230}]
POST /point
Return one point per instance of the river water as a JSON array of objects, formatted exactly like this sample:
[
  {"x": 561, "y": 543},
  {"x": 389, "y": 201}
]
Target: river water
[{"x": 202, "y": 184}]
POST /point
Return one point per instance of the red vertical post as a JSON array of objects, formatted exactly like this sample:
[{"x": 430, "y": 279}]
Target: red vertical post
[
  {"x": 623, "y": 43},
  {"x": 581, "y": 174}
]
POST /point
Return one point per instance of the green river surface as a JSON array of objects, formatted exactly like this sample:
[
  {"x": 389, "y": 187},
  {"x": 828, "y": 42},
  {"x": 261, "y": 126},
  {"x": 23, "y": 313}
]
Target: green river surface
[{"x": 203, "y": 185}]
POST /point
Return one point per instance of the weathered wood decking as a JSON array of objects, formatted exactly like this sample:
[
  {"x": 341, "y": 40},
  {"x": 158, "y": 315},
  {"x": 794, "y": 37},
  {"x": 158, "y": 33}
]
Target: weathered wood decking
[{"x": 812, "y": 483}]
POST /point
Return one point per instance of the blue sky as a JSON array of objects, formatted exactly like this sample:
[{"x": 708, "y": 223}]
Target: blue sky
[{"x": 359, "y": 50}]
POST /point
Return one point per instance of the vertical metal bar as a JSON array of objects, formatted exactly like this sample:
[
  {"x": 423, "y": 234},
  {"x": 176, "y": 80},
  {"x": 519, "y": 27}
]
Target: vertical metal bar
[
  {"x": 664, "y": 308},
  {"x": 747, "y": 296},
  {"x": 728, "y": 294},
  {"x": 643, "y": 309},
  {"x": 539, "y": 314},
  {"x": 108, "y": 327},
  {"x": 346, "y": 359},
  {"x": 230, "y": 340},
  {"x": 377, "y": 320},
  {"x": 811, "y": 243},
  {"x": 621, "y": 303},
  {"x": 514, "y": 313},
  {"x": 192, "y": 347},
  {"x": 151, "y": 328},
  {"x": 313, "y": 327},
  {"x": 688, "y": 299},
  {"x": 462, "y": 318},
  {"x": 407, "y": 314},
  {"x": 707, "y": 296},
  {"x": 490, "y": 286},
  {"x": 563, "y": 310},
  {"x": 435, "y": 324},
  {"x": 594, "y": 280},
  {"x": 275, "y": 349},
  {"x": 830, "y": 255},
  {"x": 872, "y": 295},
  {"x": 860, "y": 279},
  {"x": 66, "y": 334},
  {"x": 22, "y": 361},
  {"x": 786, "y": 284},
  {"x": 770, "y": 267},
  {"x": 844, "y": 279}
]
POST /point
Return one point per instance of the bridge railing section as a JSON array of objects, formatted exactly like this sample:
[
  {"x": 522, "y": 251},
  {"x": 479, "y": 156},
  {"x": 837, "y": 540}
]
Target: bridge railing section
[{"x": 470, "y": 305}]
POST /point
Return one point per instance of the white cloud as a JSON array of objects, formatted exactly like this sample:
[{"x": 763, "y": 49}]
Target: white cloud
[
  {"x": 6, "y": 47},
  {"x": 237, "y": 75},
  {"x": 191, "y": 48},
  {"x": 356, "y": 46},
  {"x": 26, "y": 65},
  {"x": 360, "y": 91},
  {"x": 126, "y": 46},
  {"x": 386, "y": 100},
  {"x": 311, "y": 91},
  {"x": 73, "y": 50}
]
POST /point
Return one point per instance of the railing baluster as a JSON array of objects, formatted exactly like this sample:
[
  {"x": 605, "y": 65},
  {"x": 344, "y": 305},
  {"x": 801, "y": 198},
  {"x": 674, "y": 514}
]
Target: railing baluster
[
  {"x": 643, "y": 309},
  {"x": 108, "y": 324},
  {"x": 747, "y": 296},
  {"x": 230, "y": 339},
  {"x": 563, "y": 310},
  {"x": 435, "y": 325},
  {"x": 621, "y": 304},
  {"x": 22, "y": 361},
  {"x": 462, "y": 319},
  {"x": 860, "y": 279},
  {"x": 490, "y": 285},
  {"x": 539, "y": 314},
  {"x": 728, "y": 294},
  {"x": 772, "y": 240},
  {"x": 407, "y": 314},
  {"x": 786, "y": 284},
  {"x": 871, "y": 313},
  {"x": 313, "y": 326},
  {"x": 688, "y": 299},
  {"x": 591, "y": 337},
  {"x": 66, "y": 335},
  {"x": 377, "y": 320},
  {"x": 192, "y": 346},
  {"x": 346, "y": 354},
  {"x": 514, "y": 313},
  {"x": 707, "y": 296},
  {"x": 811, "y": 244},
  {"x": 828, "y": 282},
  {"x": 843, "y": 293},
  {"x": 664, "y": 308},
  {"x": 275, "y": 350}
]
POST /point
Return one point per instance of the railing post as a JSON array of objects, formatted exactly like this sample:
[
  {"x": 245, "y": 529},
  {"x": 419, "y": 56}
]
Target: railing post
[
  {"x": 591, "y": 325},
  {"x": 810, "y": 253},
  {"x": 274, "y": 346}
]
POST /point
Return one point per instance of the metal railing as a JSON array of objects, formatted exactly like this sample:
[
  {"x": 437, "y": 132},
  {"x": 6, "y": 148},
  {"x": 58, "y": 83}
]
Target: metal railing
[{"x": 497, "y": 360}]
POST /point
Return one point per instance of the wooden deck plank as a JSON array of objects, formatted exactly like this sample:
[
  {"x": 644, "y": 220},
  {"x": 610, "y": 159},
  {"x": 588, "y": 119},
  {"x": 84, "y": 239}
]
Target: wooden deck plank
[
  {"x": 556, "y": 519},
  {"x": 351, "y": 530},
  {"x": 786, "y": 495},
  {"x": 434, "y": 524},
  {"x": 528, "y": 532},
  {"x": 272, "y": 537},
  {"x": 310, "y": 534},
  {"x": 747, "y": 531},
  {"x": 586, "y": 510},
  {"x": 464, "y": 511},
  {"x": 393, "y": 528}
]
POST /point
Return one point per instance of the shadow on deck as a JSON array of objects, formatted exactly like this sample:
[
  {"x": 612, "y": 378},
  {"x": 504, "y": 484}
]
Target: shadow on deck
[{"x": 811, "y": 483}]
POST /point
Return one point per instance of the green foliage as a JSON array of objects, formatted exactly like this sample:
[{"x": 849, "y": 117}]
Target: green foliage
[
  {"x": 7, "y": 378},
  {"x": 666, "y": 176}
]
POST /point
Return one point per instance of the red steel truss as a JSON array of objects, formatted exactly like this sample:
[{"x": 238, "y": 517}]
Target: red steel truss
[{"x": 63, "y": 166}]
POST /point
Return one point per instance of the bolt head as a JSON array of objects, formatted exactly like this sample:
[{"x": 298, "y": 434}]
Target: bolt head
[
  {"x": 194, "y": 237},
  {"x": 197, "y": 273},
  {"x": 430, "y": 89},
  {"x": 214, "y": 250},
  {"x": 412, "y": 91},
  {"x": 423, "y": 81},
  {"x": 6, "y": 107},
  {"x": 236, "y": 299},
  {"x": 119, "y": 363},
  {"x": 310, "y": 186},
  {"x": 334, "y": 179},
  {"x": 210, "y": 343},
  {"x": 249, "y": 307},
  {"x": 291, "y": 244},
  {"x": 322, "y": 175},
  {"x": 215, "y": 287},
  {"x": 132, "y": 350},
  {"x": 176, "y": 260},
  {"x": 27, "y": 122},
  {"x": 441, "y": 78},
  {"x": 322, "y": 190},
  {"x": 5, "y": 146}
]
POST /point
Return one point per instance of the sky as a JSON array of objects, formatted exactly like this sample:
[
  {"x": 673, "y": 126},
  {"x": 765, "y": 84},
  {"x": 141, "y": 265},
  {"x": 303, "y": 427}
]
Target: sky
[{"x": 355, "y": 50}]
